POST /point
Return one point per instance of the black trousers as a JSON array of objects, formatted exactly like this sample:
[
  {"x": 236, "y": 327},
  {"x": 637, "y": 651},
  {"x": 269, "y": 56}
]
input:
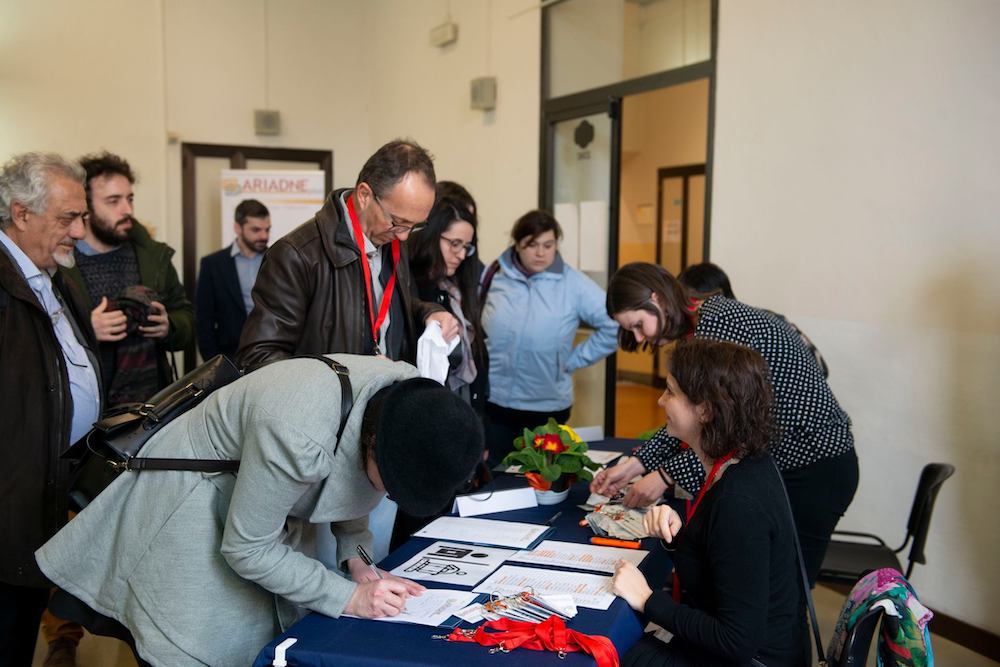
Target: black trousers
[
  {"x": 820, "y": 494},
  {"x": 503, "y": 425},
  {"x": 21, "y": 610}
]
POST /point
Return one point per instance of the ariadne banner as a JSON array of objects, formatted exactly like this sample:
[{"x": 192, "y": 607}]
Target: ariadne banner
[{"x": 292, "y": 197}]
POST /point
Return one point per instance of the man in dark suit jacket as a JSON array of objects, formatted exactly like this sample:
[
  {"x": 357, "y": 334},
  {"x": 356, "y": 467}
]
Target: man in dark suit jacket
[{"x": 226, "y": 280}]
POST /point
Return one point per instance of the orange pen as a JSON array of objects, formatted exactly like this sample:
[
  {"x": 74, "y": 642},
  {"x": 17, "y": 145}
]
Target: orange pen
[{"x": 608, "y": 542}]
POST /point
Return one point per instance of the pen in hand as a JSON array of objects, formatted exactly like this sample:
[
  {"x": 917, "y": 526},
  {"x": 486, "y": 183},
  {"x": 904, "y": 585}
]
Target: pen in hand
[{"x": 367, "y": 560}]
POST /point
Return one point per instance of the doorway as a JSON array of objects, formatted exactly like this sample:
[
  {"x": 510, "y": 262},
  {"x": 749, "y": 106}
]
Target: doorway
[{"x": 201, "y": 165}]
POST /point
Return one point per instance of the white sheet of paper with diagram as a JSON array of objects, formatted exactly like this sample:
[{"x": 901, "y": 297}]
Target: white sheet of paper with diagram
[
  {"x": 483, "y": 531},
  {"x": 579, "y": 556},
  {"x": 432, "y": 607},
  {"x": 588, "y": 590},
  {"x": 462, "y": 564}
]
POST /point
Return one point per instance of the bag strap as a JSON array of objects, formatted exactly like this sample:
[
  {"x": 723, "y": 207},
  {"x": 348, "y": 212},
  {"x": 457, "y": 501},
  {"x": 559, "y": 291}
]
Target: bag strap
[
  {"x": 138, "y": 463},
  {"x": 484, "y": 285},
  {"x": 821, "y": 657},
  {"x": 346, "y": 392}
]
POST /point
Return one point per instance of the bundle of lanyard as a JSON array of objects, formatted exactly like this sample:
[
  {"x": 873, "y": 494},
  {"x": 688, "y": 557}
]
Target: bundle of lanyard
[{"x": 505, "y": 635}]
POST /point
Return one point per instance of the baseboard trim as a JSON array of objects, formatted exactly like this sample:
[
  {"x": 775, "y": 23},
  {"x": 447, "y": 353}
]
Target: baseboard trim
[{"x": 976, "y": 639}]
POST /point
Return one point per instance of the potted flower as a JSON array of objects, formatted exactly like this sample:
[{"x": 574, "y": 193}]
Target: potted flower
[{"x": 552, "y": 457}]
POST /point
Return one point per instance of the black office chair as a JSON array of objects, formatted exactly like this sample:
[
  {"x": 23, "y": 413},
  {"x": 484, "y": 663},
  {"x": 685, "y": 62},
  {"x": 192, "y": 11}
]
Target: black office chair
[
  {"x": 846, "y": 561},
  {"x": 859, "y": 641}
]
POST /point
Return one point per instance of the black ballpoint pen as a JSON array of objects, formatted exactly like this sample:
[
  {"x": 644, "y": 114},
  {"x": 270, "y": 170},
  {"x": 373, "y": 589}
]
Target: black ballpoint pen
[
  {"x": 553, "y": 518},
  {"x": 368, "y": 561}
]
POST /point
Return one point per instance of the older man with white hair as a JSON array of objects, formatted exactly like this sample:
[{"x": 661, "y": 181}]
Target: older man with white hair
[{"x": 49, "y": 389}]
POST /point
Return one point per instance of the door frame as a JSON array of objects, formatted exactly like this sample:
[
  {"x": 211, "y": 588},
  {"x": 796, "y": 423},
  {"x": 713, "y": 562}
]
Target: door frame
[
  {"x": 238, "y": 157},
  {"x": 609, "y": 99},
  {"x": 684, "y": 172}
]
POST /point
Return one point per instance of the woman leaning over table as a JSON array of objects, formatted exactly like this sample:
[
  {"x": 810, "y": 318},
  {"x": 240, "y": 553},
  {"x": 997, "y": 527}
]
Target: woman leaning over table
[
  {"x": 204, "y": 569},
  {"x": 737, "y": 595},
  {"x": 534, "y": 304},
  {"x": 815, "y": 447}
]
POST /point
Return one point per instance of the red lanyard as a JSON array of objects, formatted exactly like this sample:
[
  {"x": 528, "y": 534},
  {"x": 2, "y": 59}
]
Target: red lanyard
[
  {"x": 549, "y": 635},
  {"x": 692, "y": 508},
  {"x": 383, "y": 308}
]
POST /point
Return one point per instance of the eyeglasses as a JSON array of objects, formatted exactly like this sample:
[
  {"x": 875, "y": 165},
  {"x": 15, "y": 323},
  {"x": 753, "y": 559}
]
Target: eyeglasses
[
  {"x": 457, "y": 245},
  {"x": 397, "y": 226}
]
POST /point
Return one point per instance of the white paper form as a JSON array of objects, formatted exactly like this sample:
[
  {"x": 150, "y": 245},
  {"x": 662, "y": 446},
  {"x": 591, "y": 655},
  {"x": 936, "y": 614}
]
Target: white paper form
[
  {"x": 579, "y": 556},
  {"x": 588, "y": 590},
  {"x": 483, "y": 531},
  {"x": 446, "y": 562},
  {"x": 432, "y": 607}
]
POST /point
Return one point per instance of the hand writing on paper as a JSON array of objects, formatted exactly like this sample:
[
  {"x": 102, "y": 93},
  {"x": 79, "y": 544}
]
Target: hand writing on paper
[
  {"x": 629, "y": 584},
  {"x": 645, "y": 492},
  {"x": 663, "y": 522},
  {"x": 374, "y": 599},
  {"x": 609, "y": 481}
]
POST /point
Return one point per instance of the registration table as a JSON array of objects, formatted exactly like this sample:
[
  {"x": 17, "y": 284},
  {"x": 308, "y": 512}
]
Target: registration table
[{"x": 325, "y": 642}]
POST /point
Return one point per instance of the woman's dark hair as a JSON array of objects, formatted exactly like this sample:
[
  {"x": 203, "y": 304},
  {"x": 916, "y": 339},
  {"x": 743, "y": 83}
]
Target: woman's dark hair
[
  {"x": 427, "y": 263},
  {"x": 632, "y": 288},
  {"x": 532, "y": 224},
  {"x": 735, "y": 383},
  {"x": 456, "y": 191},
  {"x": 706, "y": 279}
]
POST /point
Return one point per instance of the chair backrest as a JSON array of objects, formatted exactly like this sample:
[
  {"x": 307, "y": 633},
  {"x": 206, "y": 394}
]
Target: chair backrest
[
  {"x": 931, "y": 479},
  {"x": 859, "y": 641}
]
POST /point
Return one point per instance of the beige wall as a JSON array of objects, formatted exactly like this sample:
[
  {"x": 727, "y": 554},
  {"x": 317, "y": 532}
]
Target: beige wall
[
  {"x": 857, "y": 156},
  {"x": 76, "y": 77}
]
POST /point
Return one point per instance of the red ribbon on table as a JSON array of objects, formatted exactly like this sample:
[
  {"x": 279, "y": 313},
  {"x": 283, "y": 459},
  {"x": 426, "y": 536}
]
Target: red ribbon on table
[{"x": 549, "y": 635}]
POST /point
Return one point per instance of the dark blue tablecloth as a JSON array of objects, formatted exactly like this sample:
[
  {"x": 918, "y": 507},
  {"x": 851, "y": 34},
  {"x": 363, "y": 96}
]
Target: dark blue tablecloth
[{"x": 328, "y": 642}]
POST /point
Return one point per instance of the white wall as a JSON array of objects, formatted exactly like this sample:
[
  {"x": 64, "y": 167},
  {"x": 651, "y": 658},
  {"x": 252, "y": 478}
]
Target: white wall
[
  {"x": 77, "y": 77},
  {"x": 857, "y": 174},
  {"x": 423, "y": 92}
]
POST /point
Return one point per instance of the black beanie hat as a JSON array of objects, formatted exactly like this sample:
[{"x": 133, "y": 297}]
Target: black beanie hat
[{"x": 428, "y": 441}]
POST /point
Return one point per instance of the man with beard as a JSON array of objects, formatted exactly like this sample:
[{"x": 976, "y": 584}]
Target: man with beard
[
  {"x": 118, "y": 254},
  {"x": 225, "y": 280},
  {"x": 48, "y": 378}
]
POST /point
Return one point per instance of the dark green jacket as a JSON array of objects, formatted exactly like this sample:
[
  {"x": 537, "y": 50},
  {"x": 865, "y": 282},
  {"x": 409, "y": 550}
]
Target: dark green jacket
[{"x": 156, "y": 272}]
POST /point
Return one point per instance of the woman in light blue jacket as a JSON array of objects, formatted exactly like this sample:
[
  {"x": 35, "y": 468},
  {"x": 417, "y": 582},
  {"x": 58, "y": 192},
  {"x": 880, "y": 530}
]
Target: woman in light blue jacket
[{"x": 534, "y": 304}]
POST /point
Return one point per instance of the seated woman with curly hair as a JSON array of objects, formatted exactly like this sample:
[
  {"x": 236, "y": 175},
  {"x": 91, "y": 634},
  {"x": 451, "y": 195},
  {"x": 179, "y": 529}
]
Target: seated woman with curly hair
[{"x": 737, "y": 598}]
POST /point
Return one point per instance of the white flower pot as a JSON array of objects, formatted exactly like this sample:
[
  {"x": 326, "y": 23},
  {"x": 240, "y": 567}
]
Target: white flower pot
[{"x": 551, "y": 497}]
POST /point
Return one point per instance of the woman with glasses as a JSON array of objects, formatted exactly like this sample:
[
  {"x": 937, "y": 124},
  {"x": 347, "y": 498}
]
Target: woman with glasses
[
  {"x": 534, "y": 303},
  {"x": 441, "y": 258}
]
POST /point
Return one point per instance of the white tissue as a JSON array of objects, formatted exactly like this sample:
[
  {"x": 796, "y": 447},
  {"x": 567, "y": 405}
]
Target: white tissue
[{"x": 432, "y": 353}]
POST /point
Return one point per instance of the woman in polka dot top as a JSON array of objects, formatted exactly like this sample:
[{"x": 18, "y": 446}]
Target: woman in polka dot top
[{"x": 815, "y": 447}]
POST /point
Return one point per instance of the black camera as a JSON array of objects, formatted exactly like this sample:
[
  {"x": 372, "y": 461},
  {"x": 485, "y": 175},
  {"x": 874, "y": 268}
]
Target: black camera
[{"x": 136, "y": 301}]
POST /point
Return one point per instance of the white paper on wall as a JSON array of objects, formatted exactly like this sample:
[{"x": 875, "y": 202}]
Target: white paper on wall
[
  {"x": 594, "y": 228},
  {"x": 291, "y": 197},
  {"x": 568, "y": 217}
]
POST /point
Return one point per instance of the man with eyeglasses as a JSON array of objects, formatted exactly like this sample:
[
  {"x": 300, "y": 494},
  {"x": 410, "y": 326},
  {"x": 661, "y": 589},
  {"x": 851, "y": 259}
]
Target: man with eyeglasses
[
  {"x": 341, "y": 281},
  {"x": 49, "y": 379}
]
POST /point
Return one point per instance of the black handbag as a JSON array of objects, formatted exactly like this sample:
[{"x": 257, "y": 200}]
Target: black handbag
[{"x": 112, "y": 446}]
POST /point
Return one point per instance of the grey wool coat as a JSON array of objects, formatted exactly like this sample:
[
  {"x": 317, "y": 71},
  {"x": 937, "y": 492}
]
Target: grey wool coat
[{"x": 205, "y": 569}]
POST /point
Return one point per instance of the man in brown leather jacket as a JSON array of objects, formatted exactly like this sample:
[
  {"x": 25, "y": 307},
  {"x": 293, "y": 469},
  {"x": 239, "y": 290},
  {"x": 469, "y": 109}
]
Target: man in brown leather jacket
[{"x": 317, "y": 292}]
